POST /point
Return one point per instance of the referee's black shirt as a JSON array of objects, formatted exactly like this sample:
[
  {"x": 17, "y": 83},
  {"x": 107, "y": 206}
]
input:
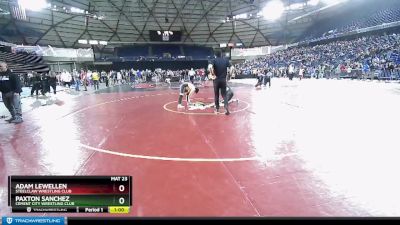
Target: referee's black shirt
[{"x": 221, "y": 68}]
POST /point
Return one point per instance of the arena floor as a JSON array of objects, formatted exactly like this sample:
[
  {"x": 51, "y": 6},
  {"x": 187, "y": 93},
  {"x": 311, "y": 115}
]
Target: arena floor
[{"x": 300, "y": 148}]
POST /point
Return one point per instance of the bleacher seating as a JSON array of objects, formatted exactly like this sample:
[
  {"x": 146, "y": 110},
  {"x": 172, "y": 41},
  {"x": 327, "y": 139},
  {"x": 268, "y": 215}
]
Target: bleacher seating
[
  {"x": 161, "y": 50},
  {"x": 22, "y": 63},
  {"x": 133, "y": 51},
  {"x": 349, "y": 21},
  {"x": 198, "y": 52},
  {"x": 376, "y": 55}
]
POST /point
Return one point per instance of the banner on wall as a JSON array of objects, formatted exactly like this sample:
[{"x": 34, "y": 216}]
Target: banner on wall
[
  {"x": 52, "y": 53},
  {"x": 242, "y": 52},
  {"x": 245, "y": 53}
]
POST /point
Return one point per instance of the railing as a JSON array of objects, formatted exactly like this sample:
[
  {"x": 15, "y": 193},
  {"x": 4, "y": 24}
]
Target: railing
[{"x": 24, "y": 63}]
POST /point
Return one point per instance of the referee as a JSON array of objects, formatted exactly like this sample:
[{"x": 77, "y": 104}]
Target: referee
[{"x": 218, "y": 73}]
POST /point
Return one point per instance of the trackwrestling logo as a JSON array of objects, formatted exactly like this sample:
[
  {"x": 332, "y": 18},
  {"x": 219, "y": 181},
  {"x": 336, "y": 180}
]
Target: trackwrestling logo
[{"x": 33, "y": 220}]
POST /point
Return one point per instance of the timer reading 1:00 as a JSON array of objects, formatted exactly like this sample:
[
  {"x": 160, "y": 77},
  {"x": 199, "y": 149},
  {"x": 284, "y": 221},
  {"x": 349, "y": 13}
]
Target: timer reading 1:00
[{"x": 118, "y": 209}]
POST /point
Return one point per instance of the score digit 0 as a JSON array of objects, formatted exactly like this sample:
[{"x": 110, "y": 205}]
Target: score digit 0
[
  {"x": 121, "y": 188},
  {"x": 121, "y": 201}
]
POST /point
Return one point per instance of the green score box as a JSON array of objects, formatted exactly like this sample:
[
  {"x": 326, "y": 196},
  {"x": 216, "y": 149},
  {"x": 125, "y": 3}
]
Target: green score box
[{"x": 70, "y": 200}]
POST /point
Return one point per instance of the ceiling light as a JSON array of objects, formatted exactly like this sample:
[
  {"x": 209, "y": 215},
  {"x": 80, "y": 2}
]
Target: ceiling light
[
  {"x": 296, "y": 6},
  {"x": 76, "y": 10},
  {"x": 93, "y": 42},
  {"x": 36, "y": 5},
  {"x": 333, "y": 2},
  {"x": 273, "y": 10},
  {"x": 313, "y": 2},
  {"x": 83, "y": 42}
]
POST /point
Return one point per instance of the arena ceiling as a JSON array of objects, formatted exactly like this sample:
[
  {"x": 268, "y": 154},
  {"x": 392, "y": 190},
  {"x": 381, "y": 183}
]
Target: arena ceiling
[{"x": 129, "y": 22}]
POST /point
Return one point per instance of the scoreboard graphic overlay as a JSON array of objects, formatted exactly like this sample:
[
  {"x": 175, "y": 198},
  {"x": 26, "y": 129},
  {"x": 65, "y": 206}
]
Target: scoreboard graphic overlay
[{"x": 70, "y": 194}]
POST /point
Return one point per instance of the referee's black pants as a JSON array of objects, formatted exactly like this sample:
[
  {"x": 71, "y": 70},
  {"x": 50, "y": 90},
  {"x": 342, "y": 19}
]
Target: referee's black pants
[
  {"x": 267, "y": 80},
  {"x": 220, "y": 85}
]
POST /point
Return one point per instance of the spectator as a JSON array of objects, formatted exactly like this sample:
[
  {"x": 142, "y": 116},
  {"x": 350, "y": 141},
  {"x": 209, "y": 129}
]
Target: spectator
[
  {"x": 96, "y": 79},
  {"x": 10, "y": 88}
]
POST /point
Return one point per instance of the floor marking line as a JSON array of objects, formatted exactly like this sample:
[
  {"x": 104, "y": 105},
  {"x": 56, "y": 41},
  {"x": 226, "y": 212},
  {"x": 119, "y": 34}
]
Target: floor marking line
[
  {"x": 204, "y": 114},
  {"x": 100, "y": 104},
  {"x": 161, "y": 158}
]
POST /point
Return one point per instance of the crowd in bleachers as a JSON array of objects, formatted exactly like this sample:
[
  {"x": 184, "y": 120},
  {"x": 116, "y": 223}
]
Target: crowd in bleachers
[
  {"x": 375, "y": 18},
  {"x": 366, "y": 57}
]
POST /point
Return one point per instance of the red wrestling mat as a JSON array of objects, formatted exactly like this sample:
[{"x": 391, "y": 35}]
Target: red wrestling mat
[{"x": 279, "y": 154}]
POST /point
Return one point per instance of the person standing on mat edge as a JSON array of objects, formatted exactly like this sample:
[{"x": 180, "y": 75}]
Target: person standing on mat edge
[
  {"x": 218, "y": 73},
  {"x": 10, "y": 88},
  {"x": 192, "y": 73}
]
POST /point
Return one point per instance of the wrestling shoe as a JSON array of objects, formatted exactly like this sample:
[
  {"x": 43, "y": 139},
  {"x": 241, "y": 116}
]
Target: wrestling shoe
[
  {"x": 216, "y": 111},
  {"x": 227, "y": 112},
  {"x": 11, "y": 119},
  {"x": 17, "y": 121},
  {"x": 180, "y": 106}
]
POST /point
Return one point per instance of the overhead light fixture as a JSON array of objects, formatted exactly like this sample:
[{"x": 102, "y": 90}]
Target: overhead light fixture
[
  {"x": 159, "y": 32},
  {"x": 93, "y": 42},
  {"x": 273, "y": 10},
  {"x": 240, "y": 16},
  {"x": 76, "y": 10},
  {"x": 222, "y": 45},
  {"x": 103, "y": 42},
  {"x": 333, "y": 2},
  {"x": 313, "y": 2},
  {"x": 83, "y": 42},
  {"x": 296, "y": 6},
  {"x": 4, "y": 12},
  {"x": 36, "y": 5}
]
